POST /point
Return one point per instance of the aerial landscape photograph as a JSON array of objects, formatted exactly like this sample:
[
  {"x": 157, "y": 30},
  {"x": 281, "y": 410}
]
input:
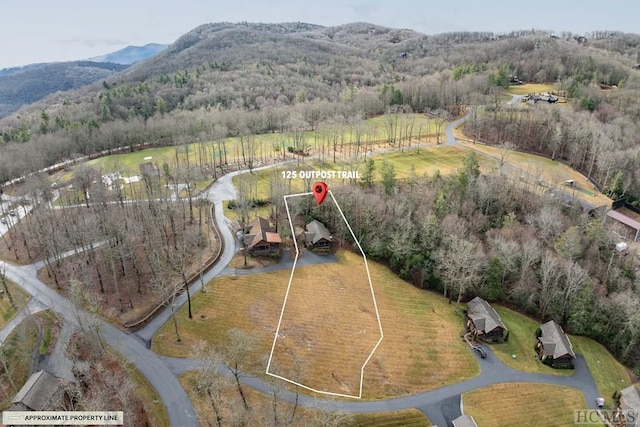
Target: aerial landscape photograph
[{"x": 327, "y": 213}]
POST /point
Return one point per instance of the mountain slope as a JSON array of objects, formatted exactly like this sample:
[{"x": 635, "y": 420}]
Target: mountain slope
[
  {"x": 32, "y": 83},
  {"x": 131, "y": 54}
]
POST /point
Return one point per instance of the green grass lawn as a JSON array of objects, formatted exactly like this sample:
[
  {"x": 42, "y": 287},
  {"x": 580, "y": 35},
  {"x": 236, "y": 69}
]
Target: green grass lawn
[
  {"x": 425, "y": 161},
  {"x": 522, "y": 338},
  {"x": 523, "y": 405},
  {"x": 609, "y": 374},
  {"x": 264, "y": 145},
  {"x": 8, "y": 310},
  {"x": 530, "y": 88}
]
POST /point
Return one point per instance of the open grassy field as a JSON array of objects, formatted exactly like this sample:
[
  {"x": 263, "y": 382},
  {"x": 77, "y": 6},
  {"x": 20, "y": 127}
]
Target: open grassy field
[
  {"x": 422, "y": 348},
  {"x": 265, "y": 146},
  {"x": 405, "y": 418},
  {"x": 522, "y": 338},
  {"x": 425, "y": 161},
  {"x": 609, "y": 374},
  {"x": 523, "y": 405},
  {"x": 337, "y": 336},
  {"x": 539, "y": 167},
  {"x": 8, "y": 310},
  {"x": 530, "y": 88}
]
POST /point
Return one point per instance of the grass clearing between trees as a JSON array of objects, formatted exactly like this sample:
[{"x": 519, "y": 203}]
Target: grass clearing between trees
[
  {"x": 374, "y": 129},
  {"x": 523, "y": 405},
  {"x": 425, "y": 160},
  {"x": 528, "y": 88},
  {"x": 522, "y": 339},
  {"x": 422, "y": 349}
]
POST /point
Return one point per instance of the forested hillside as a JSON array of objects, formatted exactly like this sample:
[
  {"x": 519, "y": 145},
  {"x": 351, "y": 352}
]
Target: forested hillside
[
  {"x": 230, "y": 79},
  {"x": 23, "y": 86},
  {"x": 462, "y": 235}
]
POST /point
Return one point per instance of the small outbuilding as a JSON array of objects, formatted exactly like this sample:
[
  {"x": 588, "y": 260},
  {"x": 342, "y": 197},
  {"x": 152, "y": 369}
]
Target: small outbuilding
[{"x": 554, "y": 346}]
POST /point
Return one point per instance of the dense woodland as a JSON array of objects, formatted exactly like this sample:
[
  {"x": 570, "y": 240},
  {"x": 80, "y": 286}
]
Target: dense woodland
[{"x": 462, "y": 235}]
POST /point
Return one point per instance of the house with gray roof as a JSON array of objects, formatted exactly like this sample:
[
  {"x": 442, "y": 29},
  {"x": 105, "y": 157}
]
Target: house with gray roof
[
  {"x": 483, "y": 321},
  {"x": 39, "y": 393},
  {"x": 554, "y": 346},
  {"x": 317, "y": 237}
]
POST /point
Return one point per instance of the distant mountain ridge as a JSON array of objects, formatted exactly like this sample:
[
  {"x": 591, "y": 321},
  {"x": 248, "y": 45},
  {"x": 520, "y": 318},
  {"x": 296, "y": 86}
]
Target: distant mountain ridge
[
  {"x": 26, "y": 85},
  {"x": 131, "y": 54}
]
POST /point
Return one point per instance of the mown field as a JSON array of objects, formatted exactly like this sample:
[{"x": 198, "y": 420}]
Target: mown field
[
  {"x": 523, "y": 405},
  {"x": 266, "y": 147},
  {"x": 422, "y": 348},
  {"x": 423, "y": 160}
]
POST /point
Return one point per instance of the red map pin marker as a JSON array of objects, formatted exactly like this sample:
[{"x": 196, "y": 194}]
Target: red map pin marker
[{"x": 320, "y": 191}]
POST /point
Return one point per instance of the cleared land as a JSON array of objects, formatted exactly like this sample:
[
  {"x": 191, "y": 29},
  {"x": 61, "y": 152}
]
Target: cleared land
[
  {"x": 539, "y": 167},
  {"x": 338, "y": 334},
  {"x": 523, "y": 405},
  {"x": 522, "y": 339},
  {"x": 425, "y": 161},
  {"x": 372, "y": 133},
  {"x": 422, "y": 349},
  {"x": 530, "y": 88}
]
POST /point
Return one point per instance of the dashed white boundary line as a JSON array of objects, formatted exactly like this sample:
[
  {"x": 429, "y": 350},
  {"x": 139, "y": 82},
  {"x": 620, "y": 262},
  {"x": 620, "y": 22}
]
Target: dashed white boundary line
[{"x": 286, "y": 296}]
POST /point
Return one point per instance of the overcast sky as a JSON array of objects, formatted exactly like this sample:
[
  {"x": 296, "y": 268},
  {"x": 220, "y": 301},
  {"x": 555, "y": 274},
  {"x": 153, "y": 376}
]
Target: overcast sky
[{"x": 61, "y": 30}]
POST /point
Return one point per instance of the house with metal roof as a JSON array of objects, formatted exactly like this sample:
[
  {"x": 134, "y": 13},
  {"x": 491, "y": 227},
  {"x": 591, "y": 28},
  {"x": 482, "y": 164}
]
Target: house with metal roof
[{"x": 39, "y": 393}]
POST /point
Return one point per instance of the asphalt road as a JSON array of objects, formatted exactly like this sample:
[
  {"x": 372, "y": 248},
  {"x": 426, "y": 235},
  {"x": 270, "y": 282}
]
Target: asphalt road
[{"x": 439, "y": 405}]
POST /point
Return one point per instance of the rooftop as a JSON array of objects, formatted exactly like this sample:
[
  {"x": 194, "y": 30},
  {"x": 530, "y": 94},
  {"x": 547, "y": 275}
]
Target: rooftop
[
  {"x": 555, "y": 341},
  {"x": 484, "y": 317}
]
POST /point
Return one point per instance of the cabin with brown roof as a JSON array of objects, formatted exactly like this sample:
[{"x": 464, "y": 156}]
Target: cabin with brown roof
[
  {"x": 554, "y": 347},
  {"x": 262, "y": 238},
  {"x": 483, "y": 321},
  {"x": 317, "y": 237}
]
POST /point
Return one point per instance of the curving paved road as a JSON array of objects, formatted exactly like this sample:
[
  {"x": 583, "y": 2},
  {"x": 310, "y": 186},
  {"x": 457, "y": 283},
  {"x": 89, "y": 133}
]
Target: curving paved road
[
  {"x": 179, "y": 407},
  {"x": 439, "y": 405}
]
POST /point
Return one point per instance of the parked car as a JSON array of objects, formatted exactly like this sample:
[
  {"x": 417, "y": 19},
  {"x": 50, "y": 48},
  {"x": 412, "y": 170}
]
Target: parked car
[{"x": 480, "y": 351}]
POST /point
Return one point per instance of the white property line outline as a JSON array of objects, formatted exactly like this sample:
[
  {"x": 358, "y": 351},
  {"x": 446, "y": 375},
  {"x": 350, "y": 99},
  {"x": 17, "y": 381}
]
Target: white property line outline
[{"x": 286, "y": 296}]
